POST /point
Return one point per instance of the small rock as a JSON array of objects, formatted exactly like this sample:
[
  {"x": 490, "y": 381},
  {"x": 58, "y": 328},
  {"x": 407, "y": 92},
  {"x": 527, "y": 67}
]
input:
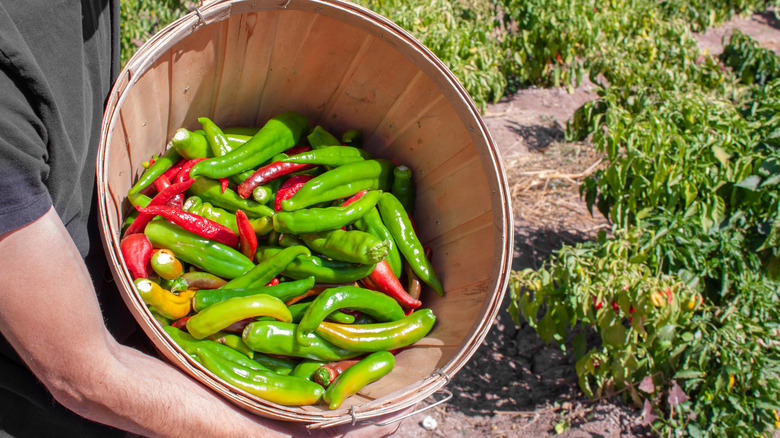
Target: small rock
[{"x": 429, "y": 423}]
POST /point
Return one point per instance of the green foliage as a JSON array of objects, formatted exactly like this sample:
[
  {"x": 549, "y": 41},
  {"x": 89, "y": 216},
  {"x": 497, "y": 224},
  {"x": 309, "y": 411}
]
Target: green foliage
[
  {"x": 752, "y": 63},
  {"x": 691, "y": 187},
  {"x": 140, "y": 19},
  {"x": 459, "y": 33}
]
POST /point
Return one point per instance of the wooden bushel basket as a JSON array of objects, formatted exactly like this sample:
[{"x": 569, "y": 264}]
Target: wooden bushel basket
[{"x": 343, "y": 67}]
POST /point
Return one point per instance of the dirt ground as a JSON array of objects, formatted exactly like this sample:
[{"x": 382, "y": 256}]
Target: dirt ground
[{"x": 515, "y": 385}]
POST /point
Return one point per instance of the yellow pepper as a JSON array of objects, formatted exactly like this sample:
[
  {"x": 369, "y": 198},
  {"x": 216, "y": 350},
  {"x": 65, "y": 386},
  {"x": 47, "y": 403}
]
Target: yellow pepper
[{"x": 166, "y": 303}]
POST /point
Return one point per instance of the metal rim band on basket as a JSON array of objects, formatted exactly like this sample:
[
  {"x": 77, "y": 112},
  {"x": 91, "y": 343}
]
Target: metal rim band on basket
[{"x": 447, "y": 396}]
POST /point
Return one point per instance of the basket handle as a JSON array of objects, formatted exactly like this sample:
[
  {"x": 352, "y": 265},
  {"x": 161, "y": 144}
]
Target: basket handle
[
  {"x": 447, "y": 396},
  {"x": 355, "y": 421}
]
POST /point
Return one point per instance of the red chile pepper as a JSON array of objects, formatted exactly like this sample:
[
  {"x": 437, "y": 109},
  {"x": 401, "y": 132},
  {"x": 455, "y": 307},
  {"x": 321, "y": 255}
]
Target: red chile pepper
[
  {"x": 223, "y": 183},
  {"x": 195, "y": 224},
  {"x": 161, "y": 183},
  {"x": 354, "y": 197},
  {"x": 181, "y": 323},
  {"x": 268, "y": 173},
  {"x": 327, "y": 373},
  {"x": 184, "y": 170},
  {"x": 289, "y": 188},
  {"x": 161, "y": 198},
  {"x": 246, "y": 235},
  {"x": 136, "y": 250},
  {"x": 383, "y": 280},
  {"x": 295, "y": 150},
  {"x": 173, "y": 170}
]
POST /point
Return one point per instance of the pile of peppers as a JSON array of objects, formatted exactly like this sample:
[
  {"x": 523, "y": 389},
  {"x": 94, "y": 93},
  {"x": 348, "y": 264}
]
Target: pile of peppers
[{"x": 283, "y": 259}]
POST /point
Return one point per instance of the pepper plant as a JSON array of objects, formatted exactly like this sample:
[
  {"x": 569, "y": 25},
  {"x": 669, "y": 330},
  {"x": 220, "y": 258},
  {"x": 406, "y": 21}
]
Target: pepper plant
[{"x": 691, "y": 187}]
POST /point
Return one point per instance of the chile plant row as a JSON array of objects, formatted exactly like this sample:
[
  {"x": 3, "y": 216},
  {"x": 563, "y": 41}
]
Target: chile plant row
[
  {"x": 677, "y": 307},
  {"x": 282, "y": 259}
]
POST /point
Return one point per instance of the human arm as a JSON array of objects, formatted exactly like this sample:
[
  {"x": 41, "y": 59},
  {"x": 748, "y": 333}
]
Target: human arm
[{"x": 50, "y": 314}]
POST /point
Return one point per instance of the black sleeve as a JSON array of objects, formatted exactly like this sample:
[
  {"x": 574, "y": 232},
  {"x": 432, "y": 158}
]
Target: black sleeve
[{"x": 23, "y": 161}]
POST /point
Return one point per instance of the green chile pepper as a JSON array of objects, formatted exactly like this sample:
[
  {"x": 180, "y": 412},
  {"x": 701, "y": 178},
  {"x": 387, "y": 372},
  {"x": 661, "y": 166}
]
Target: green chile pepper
[
  {"x": 278, "y": 365},
  {"x": 326, "y": 270},
  {"x": 267, "y": 269},
  {"x": 306, "y": 369},
  {"x": 261, "y": 225},
  {"x": 274, "y": 337},
  {"x": 284, "y": 291},
  {"x": 262, "y": 194},
  {"x": 284, "y": 390},
  {"x": 191, "y": 145},
  {"x": 353, "y": 137},
  {"x": 220, "y": 315},
  {"x": 161, "y": 164},
  {"x": 233, "y": 341},
  {"x": 137, "y": 199},
  {"x": 313, "y": 220},
  {"x": 352, "y": 246},
  {"x": 398, "y": 222},
  {"x": 287, "y": 239},
  {"x": 298, "y": 309},
  {"x": 280, "y": 133},
  {"x": 210, "y": 190},
  {"x": 319, "y": 138},
  {"x": 342, "y": 182},
  {"x": 332, "y": 156},
  {"x": 376, "y": 304},
  {"x": 403, "y": 187},
  {"x": 190, "y": 344},
  {"x": 379, "y": 336},
  {"x": 208, "y": 255},
  {"x": 372, "y": 368},
  {"x": 234, "y": 139},
  {"x": 215, "y": 137},
  {"x": 371, "y": 222}
]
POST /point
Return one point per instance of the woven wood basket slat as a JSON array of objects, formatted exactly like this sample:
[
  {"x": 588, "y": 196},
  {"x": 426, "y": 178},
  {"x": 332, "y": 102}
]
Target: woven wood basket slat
[{"x": 343, "y": 67}]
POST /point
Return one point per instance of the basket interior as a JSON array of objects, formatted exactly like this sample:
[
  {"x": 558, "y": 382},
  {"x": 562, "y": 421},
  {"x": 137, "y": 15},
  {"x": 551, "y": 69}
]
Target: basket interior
[{"x": 343, "y": 67}]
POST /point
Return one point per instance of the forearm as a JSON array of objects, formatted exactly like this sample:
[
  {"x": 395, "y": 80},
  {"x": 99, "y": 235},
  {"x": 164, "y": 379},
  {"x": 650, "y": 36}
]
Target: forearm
[
  {"x": 50, "y": 314},
  {"x": 141, "y": 394}
]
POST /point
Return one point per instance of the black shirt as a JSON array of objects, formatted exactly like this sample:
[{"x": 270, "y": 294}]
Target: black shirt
[{"x": 58, "y": 59}]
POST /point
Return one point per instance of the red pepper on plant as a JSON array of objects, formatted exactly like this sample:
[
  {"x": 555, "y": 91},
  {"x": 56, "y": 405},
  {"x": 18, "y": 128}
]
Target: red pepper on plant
[
  {"x": 160, "y": 198},
  {"x": 246, "y": 235},
  {"x": 194, "y": 223},
  {"x": 288, "y": 189},
  {"x": 137, "y": 251},
  {"x": 267, "y": 173}
]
